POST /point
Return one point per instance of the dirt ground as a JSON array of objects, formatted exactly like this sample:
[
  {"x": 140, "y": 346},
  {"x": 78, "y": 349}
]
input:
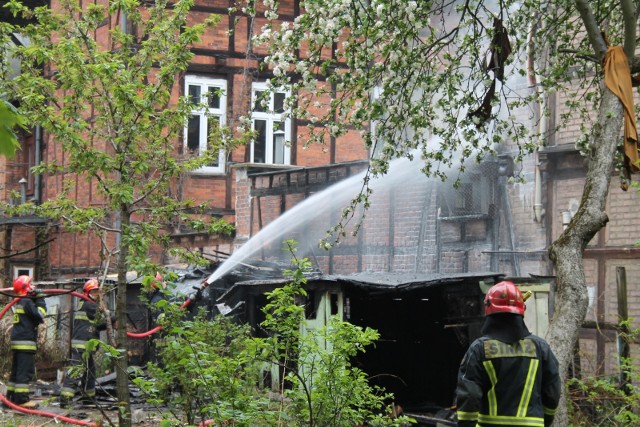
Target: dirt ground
[{"x": 108, "y": 415}]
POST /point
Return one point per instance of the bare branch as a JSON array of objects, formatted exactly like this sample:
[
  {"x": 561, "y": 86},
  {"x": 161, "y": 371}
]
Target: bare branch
[
  {"x": 26, "y": 251},
  {"x": 97, "y": 225},
  {"x": 580, "y": 54},
  {"x": 629, "y": 18},
  {"x": 593, "y": 29}
]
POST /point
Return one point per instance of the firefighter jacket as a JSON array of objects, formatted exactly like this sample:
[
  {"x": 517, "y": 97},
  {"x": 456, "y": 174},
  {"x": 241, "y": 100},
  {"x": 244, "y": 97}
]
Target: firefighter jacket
[
  {"x": 27, "y": 315},
  {"x": 87, "y": 324},
  {"x": 514, "y": 384},
  {"x": 155, "y": 313}
]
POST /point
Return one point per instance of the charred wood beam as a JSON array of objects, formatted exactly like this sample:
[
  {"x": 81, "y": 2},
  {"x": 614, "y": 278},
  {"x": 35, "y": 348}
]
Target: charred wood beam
[
  {"x": 609, "y": 251},
  {"x": 465, "y": 218},
  {"x": 607, "y": 330}
]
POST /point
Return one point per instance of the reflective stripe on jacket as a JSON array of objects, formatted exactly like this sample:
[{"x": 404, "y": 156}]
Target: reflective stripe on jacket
[
  {"x": 87, "y": 323},
  {"x": 514, "y": 384}
]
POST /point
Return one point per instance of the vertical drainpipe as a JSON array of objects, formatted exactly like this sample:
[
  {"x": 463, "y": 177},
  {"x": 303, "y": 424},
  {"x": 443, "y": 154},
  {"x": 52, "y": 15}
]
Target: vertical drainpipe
[
  {"x": 123, "y": 23},
  {"x": 37, "y": 160},
  {"x": 36, "y": 189},
  {"x": 538, "y": 211}
]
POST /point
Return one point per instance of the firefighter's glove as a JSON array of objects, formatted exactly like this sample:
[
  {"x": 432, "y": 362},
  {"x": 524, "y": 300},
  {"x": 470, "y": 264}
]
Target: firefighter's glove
[
  {"x": 40, "y": 303},
  {"x": 197, "y": 295}
]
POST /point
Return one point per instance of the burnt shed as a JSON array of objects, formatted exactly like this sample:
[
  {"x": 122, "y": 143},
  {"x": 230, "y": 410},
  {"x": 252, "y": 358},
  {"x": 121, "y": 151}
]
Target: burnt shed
[{"x": 426, "y": 322}]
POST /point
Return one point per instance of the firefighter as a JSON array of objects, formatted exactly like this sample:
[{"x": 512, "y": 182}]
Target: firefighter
[
  {"x": 87, "y": 324},
  {"x": 155, "y": 293},
  {"x": 508, "y": 376},
  {"x": 27, "y": 315}
]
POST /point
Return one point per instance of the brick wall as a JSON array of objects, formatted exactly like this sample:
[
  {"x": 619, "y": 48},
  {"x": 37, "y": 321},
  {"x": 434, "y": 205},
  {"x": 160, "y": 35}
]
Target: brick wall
[{"x": 401, "y": 232}]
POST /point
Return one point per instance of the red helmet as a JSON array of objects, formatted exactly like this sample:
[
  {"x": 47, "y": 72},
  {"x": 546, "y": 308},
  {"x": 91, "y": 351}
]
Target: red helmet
[
  {"x": 157, "y": 282},
  {"x": 22, "y": 285},
  {"x": 504, "y": 297},
  {"x": 89, "y": 286}
]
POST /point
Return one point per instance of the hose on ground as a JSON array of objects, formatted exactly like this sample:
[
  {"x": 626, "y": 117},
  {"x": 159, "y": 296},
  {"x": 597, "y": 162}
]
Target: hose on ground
[
  {"x": 56, "y": 417},
  {"x": 59, "y": 417}
]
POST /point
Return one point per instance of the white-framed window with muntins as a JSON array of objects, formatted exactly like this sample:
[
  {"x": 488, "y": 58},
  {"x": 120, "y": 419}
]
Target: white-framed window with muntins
[
  {"x": 22, "y": 270},
  {"x": 210, "y": 95},
  {"x": 272, "y": 143}
]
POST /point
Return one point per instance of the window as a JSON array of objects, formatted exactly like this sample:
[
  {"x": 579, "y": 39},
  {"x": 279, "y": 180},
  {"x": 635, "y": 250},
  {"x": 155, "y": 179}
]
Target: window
[
  {"x": 22, "y": 271},
  {"x": 28, "y": 162},
  {"x": 271, "y": 144},
  {"x": 211, "y": 95}
]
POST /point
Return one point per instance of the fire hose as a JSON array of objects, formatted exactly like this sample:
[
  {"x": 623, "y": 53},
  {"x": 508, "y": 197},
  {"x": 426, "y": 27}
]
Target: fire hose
[
  {"x": 54, "y": 415},
  {"x": 19, "y": 408},
  {"x": 185, "y": 304}
]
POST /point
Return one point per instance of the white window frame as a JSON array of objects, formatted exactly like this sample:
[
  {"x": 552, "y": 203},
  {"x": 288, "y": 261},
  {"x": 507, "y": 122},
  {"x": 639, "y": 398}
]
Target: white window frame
[
  {"x": 221, "y": 113},
  {"x": 18, "y": 268},
  {"x": 270, "y": 117}
]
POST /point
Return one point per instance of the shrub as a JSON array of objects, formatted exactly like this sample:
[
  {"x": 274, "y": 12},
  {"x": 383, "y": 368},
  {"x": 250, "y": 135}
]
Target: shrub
[
  {"x": 212, "y": 370},
  {"x": 206, "y": 370}
]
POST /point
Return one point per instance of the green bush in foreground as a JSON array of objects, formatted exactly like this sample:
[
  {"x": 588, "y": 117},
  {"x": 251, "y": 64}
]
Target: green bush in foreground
[{"x": 214, "y": 369}]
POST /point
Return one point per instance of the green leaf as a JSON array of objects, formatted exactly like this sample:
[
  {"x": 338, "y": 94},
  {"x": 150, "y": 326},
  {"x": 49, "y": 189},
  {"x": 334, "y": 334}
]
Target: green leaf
[{"x": 9, "y": 120}]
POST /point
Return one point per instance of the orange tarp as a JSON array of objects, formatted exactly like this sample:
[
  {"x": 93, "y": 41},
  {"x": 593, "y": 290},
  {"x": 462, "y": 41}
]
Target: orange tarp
[{"x": 617, "y": 77}]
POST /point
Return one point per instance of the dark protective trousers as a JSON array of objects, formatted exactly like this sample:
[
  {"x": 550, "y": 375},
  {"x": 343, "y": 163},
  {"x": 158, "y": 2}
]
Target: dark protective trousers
[
  {"x": 23, "y": 372},
  {"x": 84, "y": 382}
]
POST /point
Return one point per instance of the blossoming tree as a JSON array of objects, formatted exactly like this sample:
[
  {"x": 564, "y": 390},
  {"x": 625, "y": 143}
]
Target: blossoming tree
[
  {"x": 433, "y": 80},
  {"x": 106, "y": 103}
]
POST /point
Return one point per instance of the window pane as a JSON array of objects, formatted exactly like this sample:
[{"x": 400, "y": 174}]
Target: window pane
[
  {"x": 259, "y": 98},
  {"x": 23, "y": 271},
  {"x": 278, "y": 102},
  {"x": 214, "y": 97},
  {"x": 193, "y": 134},
  {"x": 260, "y": 143},
  {"x": 194, "y": 94},
  {"x": 278, "y": 143},
  {"x": 213, "y": 138},
  {"x": 29, "y": 161}
]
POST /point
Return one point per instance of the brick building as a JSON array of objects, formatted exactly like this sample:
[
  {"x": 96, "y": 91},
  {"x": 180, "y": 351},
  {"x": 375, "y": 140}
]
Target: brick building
[
  {"x": 230, "y": 75},
  {"x": 485, "y": 225}
]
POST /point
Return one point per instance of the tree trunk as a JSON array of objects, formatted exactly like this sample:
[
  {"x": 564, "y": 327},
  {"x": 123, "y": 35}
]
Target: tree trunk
[
  {"x": 122, "y": 365},
  {"x": 567, "y": 251}
]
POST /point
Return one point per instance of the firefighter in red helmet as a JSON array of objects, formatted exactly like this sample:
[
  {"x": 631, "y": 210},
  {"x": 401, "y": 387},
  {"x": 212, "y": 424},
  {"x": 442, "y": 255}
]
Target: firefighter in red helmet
[
  {"x": 87, "y": 324},
  {"x": 508, "y": 376},
  {"x": 22, "y": 285},
  {"x": 28, "y": 313},
  {"x": 156, "y": 292}
]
